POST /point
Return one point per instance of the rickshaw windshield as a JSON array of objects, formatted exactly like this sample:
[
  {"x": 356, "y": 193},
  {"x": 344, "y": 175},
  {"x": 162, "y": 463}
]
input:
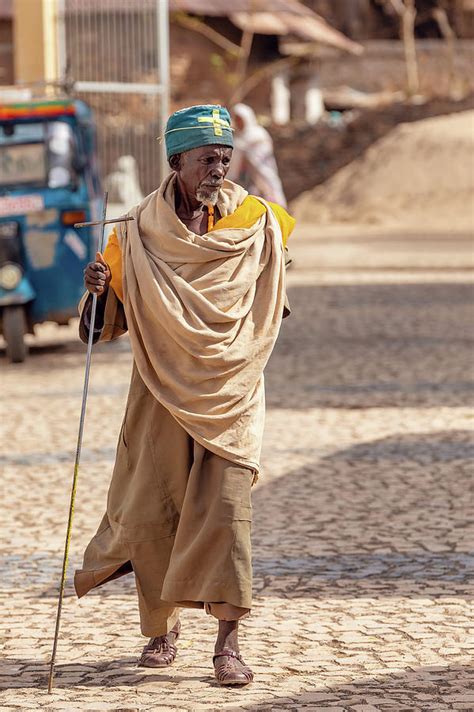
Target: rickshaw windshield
[{"x": 39, "y": 154}]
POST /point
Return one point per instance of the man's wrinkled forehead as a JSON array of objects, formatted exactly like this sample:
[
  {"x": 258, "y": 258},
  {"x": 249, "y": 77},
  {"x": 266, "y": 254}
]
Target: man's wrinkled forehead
[{"x": 212, "y": 150}]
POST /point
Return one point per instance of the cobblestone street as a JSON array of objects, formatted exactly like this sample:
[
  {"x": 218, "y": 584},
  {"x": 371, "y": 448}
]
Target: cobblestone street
[{"x": 363, "y": 516}]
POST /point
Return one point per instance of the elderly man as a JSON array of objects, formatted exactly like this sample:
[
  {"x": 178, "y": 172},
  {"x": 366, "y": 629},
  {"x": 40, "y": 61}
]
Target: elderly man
[{"x": 197, "y": 279}]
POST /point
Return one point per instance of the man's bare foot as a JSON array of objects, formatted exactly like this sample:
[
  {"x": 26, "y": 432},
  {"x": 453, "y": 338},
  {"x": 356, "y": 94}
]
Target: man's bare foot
[
  {"x": 229, "y": 666},
  {"x": 161, "y": 651}
]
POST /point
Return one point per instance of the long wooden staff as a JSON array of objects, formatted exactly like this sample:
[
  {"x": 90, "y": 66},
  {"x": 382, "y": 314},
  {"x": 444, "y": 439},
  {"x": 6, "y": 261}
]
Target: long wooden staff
[{"x": 102, "y": 223}]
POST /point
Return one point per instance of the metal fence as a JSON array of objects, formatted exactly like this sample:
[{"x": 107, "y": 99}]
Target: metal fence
[{"x": 116, "y": 52}]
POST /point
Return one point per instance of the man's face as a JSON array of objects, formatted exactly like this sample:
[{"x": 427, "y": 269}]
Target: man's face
[{"x": 202, "y": 170}]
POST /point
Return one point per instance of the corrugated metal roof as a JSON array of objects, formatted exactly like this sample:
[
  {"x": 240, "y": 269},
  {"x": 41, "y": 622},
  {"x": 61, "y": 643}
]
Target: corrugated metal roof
[
  {"x": 272, "y": 17},
  {"x": 225, "y": 7},
  {"x": 311, "y": 28}
]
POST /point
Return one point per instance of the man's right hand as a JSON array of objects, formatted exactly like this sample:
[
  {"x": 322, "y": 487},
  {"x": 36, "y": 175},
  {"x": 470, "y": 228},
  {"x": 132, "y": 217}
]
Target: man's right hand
[{"x": 97, "y": 275}]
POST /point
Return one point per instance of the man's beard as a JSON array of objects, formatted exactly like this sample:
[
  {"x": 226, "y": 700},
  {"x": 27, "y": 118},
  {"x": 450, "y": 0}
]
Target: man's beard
[{"x": 207, "y": 195}]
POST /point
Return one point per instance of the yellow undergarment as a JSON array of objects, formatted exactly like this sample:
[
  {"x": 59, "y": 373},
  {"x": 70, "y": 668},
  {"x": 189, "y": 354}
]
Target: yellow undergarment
[{"x": 244, "y": 217}]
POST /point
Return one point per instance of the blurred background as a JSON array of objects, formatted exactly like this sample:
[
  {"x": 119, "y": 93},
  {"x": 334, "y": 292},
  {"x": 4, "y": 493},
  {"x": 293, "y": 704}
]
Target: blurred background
[
  {"x": 326, "y": 78},
  {"x": 325, "y": 87}
]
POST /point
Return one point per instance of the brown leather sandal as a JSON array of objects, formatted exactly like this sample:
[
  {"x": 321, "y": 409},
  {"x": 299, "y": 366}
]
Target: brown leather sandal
[
  {"x": 227, "y": 672},
  {"x": 160, "y": 651}
]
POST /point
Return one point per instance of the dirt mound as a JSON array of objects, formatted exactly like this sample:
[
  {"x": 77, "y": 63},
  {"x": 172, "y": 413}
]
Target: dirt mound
[{"x": 420, "y": 174}]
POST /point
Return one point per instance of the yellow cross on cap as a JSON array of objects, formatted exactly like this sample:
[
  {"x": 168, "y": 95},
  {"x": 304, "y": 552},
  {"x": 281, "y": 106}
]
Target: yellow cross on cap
[{"x": 216, "y": 122}]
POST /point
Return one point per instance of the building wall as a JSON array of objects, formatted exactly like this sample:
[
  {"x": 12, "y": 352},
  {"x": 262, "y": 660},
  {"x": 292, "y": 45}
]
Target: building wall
[
  {"x": 6, "y": 51},
  {"x": 382, "y": 68}
]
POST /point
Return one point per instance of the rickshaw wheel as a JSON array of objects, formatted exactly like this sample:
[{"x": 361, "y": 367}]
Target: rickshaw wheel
[{"x": 14, "y": 328}]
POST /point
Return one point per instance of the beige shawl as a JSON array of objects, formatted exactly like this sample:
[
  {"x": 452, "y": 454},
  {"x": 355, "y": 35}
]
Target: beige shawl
[{"x": 203, "y": 313}]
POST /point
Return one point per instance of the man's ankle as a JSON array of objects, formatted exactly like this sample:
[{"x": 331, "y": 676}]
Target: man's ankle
[
  {"x": 228, "y": 636},
  {"x": 174, "y": 632}
]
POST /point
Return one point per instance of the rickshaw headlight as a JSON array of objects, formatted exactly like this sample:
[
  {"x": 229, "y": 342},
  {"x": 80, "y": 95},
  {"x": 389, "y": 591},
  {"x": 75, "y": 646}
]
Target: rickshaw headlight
[{"x": 10, "y": 276}]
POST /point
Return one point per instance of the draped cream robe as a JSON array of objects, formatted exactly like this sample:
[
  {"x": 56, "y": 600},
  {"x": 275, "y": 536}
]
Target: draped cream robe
[{"x": 203, "y": 314}]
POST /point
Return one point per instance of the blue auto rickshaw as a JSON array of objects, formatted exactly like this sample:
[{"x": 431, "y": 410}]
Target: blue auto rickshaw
[{"x": 49, "y": 181}]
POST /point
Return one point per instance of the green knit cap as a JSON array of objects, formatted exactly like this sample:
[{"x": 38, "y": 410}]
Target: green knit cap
[{"x": 196, "y": 126}]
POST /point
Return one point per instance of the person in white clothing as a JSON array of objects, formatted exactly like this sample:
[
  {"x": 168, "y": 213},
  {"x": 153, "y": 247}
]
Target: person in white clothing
[{"x": 253, "y": 163}]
